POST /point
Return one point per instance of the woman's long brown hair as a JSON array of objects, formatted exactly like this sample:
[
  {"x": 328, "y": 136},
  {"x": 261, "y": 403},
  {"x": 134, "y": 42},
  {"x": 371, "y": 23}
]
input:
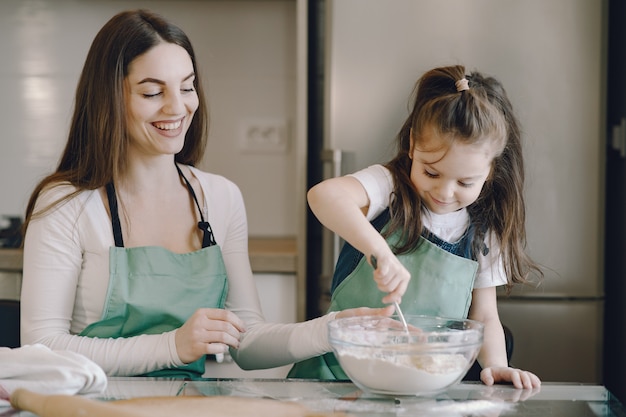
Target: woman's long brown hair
[
  {"x": 483, "y": 112},
  {"x": 95, "y": 153}
]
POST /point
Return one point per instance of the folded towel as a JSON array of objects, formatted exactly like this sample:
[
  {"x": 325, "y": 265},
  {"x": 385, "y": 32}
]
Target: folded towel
[{"x": 42, "y": 370}]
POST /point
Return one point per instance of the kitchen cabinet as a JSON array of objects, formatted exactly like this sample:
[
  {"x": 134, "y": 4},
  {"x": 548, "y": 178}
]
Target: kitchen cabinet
[
  {"x": 10, "y": 274},
  {"x": 10, "y": 284}
]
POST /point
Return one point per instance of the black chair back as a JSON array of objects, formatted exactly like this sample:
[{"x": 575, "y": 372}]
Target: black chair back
[{"x": 10, "y": 323}]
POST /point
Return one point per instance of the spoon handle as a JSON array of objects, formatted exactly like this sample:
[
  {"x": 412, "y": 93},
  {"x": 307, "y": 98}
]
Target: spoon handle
[{"x": 399, "y": 311}]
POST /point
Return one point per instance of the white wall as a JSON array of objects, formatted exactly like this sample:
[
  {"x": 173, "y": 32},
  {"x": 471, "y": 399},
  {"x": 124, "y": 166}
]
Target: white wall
[{"x": 246, "y": 52}]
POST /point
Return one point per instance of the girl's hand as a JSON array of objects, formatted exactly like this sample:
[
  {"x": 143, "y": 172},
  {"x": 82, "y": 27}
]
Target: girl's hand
[
  {"x": 390, "y": 276},
  {"x": 208, "y": 331},
  {"x": 518, "y": 377}
]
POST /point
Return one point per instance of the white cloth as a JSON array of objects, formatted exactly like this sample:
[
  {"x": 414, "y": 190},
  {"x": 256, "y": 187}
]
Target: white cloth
[
  {"x": 378, "y": 184},
  {"x": 66, "y": 274},
  {"x": 42, "y": 370}
]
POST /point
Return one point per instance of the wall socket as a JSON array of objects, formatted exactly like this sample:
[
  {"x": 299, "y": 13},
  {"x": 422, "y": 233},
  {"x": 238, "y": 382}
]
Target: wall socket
[{"x": 263, "y": 136}]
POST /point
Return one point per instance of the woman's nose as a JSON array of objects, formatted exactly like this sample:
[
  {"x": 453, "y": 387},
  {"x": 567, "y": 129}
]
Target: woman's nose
[{"x": 174, "y": 103}]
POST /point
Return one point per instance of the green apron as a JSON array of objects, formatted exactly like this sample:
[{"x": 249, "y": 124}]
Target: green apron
[
  {"x": 441, "y": 285},
  {"x": 153, "y": 290}
]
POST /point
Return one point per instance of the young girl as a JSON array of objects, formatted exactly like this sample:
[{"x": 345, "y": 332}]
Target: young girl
[{"x": 444, "y": 218}]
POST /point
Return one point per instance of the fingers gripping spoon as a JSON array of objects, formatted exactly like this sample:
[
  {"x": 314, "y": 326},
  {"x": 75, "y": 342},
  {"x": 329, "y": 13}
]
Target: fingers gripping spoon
[{"x": 374, "y": 263}]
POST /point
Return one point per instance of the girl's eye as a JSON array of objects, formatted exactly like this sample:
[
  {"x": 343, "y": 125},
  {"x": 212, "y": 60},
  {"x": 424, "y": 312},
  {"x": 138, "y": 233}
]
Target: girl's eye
[
  {"x": 430, "y": 175},
  {"x": 465, "y": 184},
  {"x": 188, "y": 90},
  {"x": 150, "y": 95}
]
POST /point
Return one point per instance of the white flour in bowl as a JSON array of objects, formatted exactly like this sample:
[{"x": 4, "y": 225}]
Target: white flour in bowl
[{"x": 403, "y": 374}]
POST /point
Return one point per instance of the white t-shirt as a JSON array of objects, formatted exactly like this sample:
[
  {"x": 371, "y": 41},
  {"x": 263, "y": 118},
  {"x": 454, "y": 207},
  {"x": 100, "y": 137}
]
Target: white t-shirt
[
  {"x": 378, "y": 184},
  {"x": 66, "y": 274}
]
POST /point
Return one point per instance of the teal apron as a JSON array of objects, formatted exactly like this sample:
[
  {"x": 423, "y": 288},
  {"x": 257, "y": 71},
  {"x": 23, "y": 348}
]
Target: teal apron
[
  {"x": 441, "y": 285},
  {"x": 153, "y": 290}
]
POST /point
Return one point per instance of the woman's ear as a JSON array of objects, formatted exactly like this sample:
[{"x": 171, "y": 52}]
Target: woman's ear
[{"x": 491, "y": 171}]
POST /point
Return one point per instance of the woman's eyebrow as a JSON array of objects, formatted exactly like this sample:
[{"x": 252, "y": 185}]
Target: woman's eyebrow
[{"x": 161, "y": 82}]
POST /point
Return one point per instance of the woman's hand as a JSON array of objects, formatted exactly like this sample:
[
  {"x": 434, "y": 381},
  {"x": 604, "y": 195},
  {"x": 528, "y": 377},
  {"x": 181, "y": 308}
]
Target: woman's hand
[
  {"x": 208, "y": 331},
  {"x": 390, "y": 275},
  {"x": 366, "y": 311},
  {"x": 518, "y": 377}
]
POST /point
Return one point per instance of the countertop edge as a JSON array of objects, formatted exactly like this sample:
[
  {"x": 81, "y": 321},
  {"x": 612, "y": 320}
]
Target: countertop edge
[
  {"x": 273, "y": 254},
  {"x": 267, "y": 254}
]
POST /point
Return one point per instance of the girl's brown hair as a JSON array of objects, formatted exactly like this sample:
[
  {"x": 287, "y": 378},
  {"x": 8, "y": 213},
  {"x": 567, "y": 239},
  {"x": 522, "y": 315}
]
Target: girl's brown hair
[
  {"x": 95, "y": 153},
  {"x": 481, "y": 113}
]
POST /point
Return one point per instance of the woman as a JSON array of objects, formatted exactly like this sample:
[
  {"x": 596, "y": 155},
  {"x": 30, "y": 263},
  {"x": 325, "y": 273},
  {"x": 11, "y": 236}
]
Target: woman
[{"x": 133, "y": 257}]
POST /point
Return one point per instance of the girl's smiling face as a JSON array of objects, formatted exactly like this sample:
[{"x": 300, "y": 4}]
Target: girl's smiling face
[
  {"x": 160, "y": 99},
  {"x": 449, "y": 175}
]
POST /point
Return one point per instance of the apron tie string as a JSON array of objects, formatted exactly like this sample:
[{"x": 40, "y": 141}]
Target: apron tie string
[{"x": 207, "y": 233}]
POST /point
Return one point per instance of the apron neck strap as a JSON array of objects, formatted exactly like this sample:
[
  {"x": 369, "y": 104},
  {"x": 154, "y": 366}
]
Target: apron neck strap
[
  {"x": 208, "y": 239},
  {"x": 115, "y": 218}
]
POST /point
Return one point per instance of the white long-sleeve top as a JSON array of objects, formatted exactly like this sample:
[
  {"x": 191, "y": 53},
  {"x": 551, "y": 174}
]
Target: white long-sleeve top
[{"x": 66, "y": 274}]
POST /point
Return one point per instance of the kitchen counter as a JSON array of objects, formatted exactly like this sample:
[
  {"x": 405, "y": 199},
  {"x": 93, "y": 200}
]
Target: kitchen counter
[
  {"x": 462, "y": 400},
  {"x": 10, "y": 260},
  {"x": 273, "y": 254},
  {"x": 267, "y": 254}
]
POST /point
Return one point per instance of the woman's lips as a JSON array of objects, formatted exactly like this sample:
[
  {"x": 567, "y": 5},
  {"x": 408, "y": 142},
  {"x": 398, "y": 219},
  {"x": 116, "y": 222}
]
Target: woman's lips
[
  {"x": 169, "y": 128},
  {"x": 168, "y": 125}
]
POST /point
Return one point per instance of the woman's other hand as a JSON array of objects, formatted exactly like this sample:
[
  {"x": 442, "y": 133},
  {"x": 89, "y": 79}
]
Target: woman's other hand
[{"x": 208, "y": 331}]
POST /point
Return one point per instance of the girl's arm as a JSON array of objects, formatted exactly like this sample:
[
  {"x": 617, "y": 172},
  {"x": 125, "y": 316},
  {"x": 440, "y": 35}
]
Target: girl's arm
[
  {"x": 492, "y": 356},
  {"x": 340, "y": 204}
]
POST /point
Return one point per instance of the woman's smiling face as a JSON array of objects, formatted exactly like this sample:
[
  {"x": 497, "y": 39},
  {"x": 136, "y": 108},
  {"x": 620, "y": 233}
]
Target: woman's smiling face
[
  {"x": 449, "y": 175},
  {"x": 160, "y": 99}
]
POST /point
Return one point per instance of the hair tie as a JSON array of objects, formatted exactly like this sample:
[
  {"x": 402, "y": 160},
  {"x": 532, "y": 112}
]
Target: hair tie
[{"x": 462, "y": 85}]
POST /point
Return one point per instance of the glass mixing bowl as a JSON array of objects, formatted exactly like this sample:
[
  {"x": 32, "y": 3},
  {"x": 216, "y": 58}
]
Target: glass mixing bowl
[{"x": 381, "y": 357}]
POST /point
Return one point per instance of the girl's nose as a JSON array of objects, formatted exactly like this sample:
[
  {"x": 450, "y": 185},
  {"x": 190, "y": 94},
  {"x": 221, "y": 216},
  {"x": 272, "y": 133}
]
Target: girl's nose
[{"x": 446, "y": 190}]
